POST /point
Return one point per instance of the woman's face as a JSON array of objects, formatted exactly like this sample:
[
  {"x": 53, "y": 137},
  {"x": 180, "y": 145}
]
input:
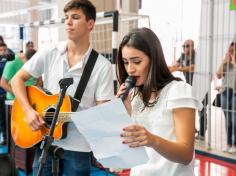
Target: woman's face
[
  {"x": 231, "y": 50},
  {"x": 136, "y": 64},
  {"x": 231, "y": 54}
]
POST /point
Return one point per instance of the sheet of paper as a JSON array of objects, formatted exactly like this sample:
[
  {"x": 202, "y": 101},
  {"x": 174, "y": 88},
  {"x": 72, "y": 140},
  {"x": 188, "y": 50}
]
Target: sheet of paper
[{"x": 101, "y": 126}]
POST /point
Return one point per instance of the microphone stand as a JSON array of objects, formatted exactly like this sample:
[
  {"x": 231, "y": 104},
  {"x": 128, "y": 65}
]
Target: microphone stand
[{"x": 46, "y": 144}]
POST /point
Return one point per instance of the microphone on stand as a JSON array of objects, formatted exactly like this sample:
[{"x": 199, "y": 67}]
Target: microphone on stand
[
  {"x": 7, "y": 57},
  {"x": 129, "y": 84}
]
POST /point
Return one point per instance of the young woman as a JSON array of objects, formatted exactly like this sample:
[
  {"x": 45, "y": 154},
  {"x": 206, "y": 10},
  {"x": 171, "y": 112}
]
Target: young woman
[
  {"x": 162, "y": 106},
  {"x": 227, "y": 71}
]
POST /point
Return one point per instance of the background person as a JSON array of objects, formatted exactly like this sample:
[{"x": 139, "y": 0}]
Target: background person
[
  {"x": 11, "y": 68},
  {"x": 9, "y": 50},
  {"x": 186, "y": 62},
  {"x": 227, "y": 71},
  {"x": 29, "y": 45}
]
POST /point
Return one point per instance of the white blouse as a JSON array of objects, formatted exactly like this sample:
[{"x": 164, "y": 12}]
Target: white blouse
[{"x": 159, "y": 121}]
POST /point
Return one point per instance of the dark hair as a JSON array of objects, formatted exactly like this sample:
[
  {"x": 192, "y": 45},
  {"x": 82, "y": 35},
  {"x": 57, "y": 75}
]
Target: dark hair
[
  {"x": 159, "y": 75},
  {"x": 86, "y": 6},
  {"x": 233, "y": 44},
  {"x": 1, "y": 39},
  {"x": 30, "y": 53},
  {"x": 29, "y": 43},
  {"x": 3, "y": 45}
]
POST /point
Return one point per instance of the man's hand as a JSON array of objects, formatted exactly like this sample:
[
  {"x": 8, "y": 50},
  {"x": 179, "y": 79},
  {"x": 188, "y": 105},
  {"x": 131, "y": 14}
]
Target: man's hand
[{"x": 34, "y": 120}]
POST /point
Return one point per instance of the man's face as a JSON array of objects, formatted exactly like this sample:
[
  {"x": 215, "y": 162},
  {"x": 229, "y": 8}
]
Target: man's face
[
  {"x": 77, "y": 27},
  {"x": 29, "y": 46},
  {"x": 3, "y": 50},
  {"x": 188, "y": 46}
]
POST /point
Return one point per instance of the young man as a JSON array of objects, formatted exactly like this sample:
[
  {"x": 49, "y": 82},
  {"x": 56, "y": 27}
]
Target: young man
[{"x": 67, "y": 59}]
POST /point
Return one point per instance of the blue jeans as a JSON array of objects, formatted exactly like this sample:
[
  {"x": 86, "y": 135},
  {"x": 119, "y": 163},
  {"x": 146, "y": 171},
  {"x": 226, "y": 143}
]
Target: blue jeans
[
  {"x": 228, "y": 104},
  {"x": 72, "y": 164},
  {"x": 3, "y": 116}
]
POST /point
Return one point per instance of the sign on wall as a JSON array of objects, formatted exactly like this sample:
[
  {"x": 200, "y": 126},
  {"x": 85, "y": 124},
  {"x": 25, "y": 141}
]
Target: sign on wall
[{"x": 232, "y": 5}]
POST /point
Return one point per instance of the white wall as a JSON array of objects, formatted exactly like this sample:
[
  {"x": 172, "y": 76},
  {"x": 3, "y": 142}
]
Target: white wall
[{"x": 173, "y": 21}]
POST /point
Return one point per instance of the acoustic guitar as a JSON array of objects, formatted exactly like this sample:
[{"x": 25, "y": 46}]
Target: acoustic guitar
[{"x": 45, "y": 104}]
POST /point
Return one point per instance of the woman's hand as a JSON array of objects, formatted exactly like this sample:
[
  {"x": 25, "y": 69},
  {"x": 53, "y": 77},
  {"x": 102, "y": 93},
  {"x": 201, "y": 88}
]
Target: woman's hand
[
  {"x": 136, "y": 136},
  {"x": 227, "y": 59},
  {"x": 121, "y": 90},
  {"x": 127, "y": 101}
]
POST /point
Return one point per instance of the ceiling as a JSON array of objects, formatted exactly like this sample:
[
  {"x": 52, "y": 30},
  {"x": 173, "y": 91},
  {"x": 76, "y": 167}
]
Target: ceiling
[{"x": 24, "y": 11}]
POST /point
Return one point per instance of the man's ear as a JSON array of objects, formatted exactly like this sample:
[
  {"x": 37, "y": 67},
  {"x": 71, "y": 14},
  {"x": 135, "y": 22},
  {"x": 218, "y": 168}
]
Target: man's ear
[{"x": 91, "y": 24}]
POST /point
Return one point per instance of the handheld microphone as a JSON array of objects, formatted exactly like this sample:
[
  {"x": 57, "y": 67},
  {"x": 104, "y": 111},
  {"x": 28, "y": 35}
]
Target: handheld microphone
[
  {"x": 7, "y": 57},
  {"x": 129, "y": 84}
]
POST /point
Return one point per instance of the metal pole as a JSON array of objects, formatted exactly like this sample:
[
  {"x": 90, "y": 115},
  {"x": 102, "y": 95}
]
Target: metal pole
[{"x": 210, "y": 69}]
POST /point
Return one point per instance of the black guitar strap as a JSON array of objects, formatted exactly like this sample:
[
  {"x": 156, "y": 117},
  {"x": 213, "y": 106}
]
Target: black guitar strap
[{"x": 84, "y": 80}]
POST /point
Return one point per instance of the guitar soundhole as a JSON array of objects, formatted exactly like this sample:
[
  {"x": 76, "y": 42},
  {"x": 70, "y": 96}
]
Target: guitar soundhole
[{"x": 49, "y": 116}]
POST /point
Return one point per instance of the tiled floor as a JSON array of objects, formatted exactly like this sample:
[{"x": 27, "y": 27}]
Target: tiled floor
[
  {"x": 204, "y": 165},
  {"x": 95, "y": 171},
  {"x": 215, "y": 141}
]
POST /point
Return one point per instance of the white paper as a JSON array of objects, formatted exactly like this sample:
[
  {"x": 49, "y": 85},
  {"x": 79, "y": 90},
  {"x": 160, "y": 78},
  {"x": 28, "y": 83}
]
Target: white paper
[{"x": 101, "y": 126}]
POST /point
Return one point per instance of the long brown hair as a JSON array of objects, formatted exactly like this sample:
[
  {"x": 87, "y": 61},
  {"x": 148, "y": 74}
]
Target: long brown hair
[{"x": 159, "y": 75}]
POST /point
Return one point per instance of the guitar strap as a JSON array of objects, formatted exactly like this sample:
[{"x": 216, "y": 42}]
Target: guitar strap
[{"x": 84, "y": 80}]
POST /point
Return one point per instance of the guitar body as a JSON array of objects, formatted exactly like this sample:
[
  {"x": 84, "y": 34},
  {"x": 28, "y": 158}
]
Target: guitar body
[{"x": 22, "y": 134}]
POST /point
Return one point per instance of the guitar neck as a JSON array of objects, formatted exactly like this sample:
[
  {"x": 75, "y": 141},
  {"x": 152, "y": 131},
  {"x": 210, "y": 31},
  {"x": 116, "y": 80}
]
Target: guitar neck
[{"x": 62, "y": 117}]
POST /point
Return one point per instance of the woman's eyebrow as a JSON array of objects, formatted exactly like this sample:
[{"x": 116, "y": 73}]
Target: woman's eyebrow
[{"x": 132, "y": 58}]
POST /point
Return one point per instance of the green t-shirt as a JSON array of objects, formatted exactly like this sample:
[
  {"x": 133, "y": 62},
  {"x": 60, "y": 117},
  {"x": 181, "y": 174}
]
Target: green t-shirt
[{"x": 10, "y": 69}]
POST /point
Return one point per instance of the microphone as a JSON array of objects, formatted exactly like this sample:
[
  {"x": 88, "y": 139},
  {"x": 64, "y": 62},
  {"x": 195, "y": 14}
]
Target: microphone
[
  {"x": 129, "y": 84},
  {"x": 7, "y": 57}
]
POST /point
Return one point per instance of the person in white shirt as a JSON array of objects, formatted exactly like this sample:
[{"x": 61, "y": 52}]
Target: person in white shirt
[
  {"x": 162, "y": 106},
  {"x": 63, "y": 60}
]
